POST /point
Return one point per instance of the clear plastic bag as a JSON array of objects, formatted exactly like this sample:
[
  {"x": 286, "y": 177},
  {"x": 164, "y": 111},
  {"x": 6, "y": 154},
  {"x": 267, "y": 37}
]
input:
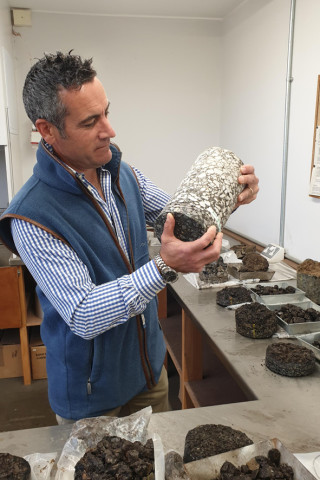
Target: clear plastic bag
[
  {"x": 41, "y": 465},
  {"x": 86, "y": 433}
]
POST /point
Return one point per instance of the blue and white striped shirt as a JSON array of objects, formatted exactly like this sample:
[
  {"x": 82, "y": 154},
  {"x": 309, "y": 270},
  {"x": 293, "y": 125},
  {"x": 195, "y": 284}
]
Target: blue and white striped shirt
[{"x": 91, "y": 309}]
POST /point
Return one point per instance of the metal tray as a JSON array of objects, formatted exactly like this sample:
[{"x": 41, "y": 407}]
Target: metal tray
[
  {"x": 298, "y": 328},
  {"x": 209, "y": 468},
  {"x": 233, "y": 270},
  {"x": 307, "y": 341},
  {"x": 280, "y": 298}
]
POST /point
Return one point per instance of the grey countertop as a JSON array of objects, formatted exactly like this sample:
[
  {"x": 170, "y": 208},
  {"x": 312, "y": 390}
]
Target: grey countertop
[
  {"x": 244, "y": 357},
  {"x": 297, "y": 429}
]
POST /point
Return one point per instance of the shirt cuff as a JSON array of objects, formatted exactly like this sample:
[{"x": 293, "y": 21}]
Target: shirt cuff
[{"x": 147, "y": 280}]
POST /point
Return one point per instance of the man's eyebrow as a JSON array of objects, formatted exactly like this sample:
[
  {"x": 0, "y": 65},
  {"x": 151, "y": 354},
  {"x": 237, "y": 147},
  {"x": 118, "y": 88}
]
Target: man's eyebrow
[{"x": 92, "y": 117}]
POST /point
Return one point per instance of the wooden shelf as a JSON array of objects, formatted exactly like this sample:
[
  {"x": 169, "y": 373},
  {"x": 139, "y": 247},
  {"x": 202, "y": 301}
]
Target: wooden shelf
[
  {"x": 204, "y": 381},
  {"x": 172, "y": 328},
  {"x": 214, "y": 390},
  {"x": 33, "y": 320},
  {"x": 14, "y": 298}
]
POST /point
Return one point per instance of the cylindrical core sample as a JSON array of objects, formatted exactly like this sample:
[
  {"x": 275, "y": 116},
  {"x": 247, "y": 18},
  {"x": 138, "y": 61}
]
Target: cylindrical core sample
[{"x": 207, "y": 195}]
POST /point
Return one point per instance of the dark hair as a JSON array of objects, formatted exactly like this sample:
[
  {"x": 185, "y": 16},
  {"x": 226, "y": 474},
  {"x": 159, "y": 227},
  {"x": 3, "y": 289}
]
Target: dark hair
[{"x": 46, "y": 77}]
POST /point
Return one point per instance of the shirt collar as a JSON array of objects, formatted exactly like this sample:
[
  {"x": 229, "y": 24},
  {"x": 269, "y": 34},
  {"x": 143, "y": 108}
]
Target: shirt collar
[{"x": 112, "y": 166}]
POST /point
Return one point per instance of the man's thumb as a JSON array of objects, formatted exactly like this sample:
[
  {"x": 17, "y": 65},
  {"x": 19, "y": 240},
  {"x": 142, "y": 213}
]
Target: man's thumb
[{"x": 169, "y": 224}]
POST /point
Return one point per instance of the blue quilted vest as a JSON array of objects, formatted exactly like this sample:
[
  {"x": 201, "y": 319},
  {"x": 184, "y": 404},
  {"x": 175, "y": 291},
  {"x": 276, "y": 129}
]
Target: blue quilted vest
[{"x": 87, "y": 378}]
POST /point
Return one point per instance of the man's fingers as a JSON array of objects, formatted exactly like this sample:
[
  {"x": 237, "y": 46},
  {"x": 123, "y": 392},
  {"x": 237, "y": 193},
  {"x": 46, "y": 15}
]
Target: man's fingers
[
  {"x": 215, "y": 248},
  {"x": 218, "y": 239},
  {"x": 207, "y": 238},
  {"x": 210, "y": 251},
  {"x": 210, "y": 254},
  {"x": 246, "y": 169},
  {"x": 248, "y": 194},
  {"x": 201, "y": 243},
  {"x": 249, "y": 179}
]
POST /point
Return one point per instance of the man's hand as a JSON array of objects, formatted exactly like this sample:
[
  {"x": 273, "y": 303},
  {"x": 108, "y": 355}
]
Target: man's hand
[
  {"x": 249, "y": 179},
  {"x": 189, "y": 256}
]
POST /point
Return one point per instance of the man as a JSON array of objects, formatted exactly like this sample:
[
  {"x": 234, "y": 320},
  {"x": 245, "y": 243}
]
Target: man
[{"x": 79, "y": 225}]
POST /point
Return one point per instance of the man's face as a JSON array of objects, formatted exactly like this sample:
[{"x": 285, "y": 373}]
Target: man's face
[{"x": 87, "y": 129}]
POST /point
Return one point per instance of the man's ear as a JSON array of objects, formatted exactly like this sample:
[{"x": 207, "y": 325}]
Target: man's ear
[{"x": 47, "y": 131}]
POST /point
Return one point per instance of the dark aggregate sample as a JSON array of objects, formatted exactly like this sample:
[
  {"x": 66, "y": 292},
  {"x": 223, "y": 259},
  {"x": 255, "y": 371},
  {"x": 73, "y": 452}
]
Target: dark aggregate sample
[
  {"x": 233, "y": 296},
  {"x": 255, "y": 320},
  {"x": 215, "y": 272},
  {"x": 117, "y": 458},
  {"x": 187, "y": 228},
  {"x": 242, "y": 250},
  {"x": 290, "y": 360},
  {"x": 13, "y": 467},
  {"x": 254, "y": 262},
  {"x": 259, "y": 467},
  {"x": 309, "y": 267},
  {"x": 308, "y": 279},
  {"x": 207, "y": 440},
  {"x": 290, "y": 313},
  {"x": 206, "y": 196},
  {"x": 273, "y": 290}
]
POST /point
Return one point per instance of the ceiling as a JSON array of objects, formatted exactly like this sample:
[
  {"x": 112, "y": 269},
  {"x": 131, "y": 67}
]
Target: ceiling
[{"x": 211, "y": 9}]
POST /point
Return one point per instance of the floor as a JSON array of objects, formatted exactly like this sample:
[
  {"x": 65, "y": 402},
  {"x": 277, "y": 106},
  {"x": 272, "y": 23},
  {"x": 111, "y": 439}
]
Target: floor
[{"x": 26, "y": 406}]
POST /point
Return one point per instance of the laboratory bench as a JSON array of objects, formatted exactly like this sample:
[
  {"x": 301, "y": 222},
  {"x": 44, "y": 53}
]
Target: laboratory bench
[{"x": 223, "y": 380}]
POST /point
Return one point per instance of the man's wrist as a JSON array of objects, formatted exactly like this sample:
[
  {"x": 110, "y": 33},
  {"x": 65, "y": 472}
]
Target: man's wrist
[{"x": 168, "y": 274}]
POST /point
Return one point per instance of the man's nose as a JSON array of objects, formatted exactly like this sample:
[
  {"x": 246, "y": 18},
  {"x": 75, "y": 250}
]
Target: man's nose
[{"x": 106, "y": 129}]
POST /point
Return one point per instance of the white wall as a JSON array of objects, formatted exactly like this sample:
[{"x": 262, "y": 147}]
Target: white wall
[
  {"x": 302, "y": 226},
  {"x": 5, "y": 38},
  {"x": 254, "y": 46},
  {"x": 254, "y": 50},
  {"x": 5, "y": 27},
  {"x": 162, "y": 78},
  {"x": 11, "y": 171}
]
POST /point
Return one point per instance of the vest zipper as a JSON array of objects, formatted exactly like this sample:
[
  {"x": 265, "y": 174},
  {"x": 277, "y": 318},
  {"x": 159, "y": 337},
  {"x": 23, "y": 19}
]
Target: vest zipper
[
  {"x": 89, "y": 389},
  {"x": 89, "y": 386},
  {"x": 143, "y": 353},
  {"x": 152, "y": 381},
  {"x": 141, "y": 322}
]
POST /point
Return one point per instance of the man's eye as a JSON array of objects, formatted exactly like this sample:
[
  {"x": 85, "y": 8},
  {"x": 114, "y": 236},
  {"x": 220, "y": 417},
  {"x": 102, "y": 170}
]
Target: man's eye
[{"x": 90, "y": 124}]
